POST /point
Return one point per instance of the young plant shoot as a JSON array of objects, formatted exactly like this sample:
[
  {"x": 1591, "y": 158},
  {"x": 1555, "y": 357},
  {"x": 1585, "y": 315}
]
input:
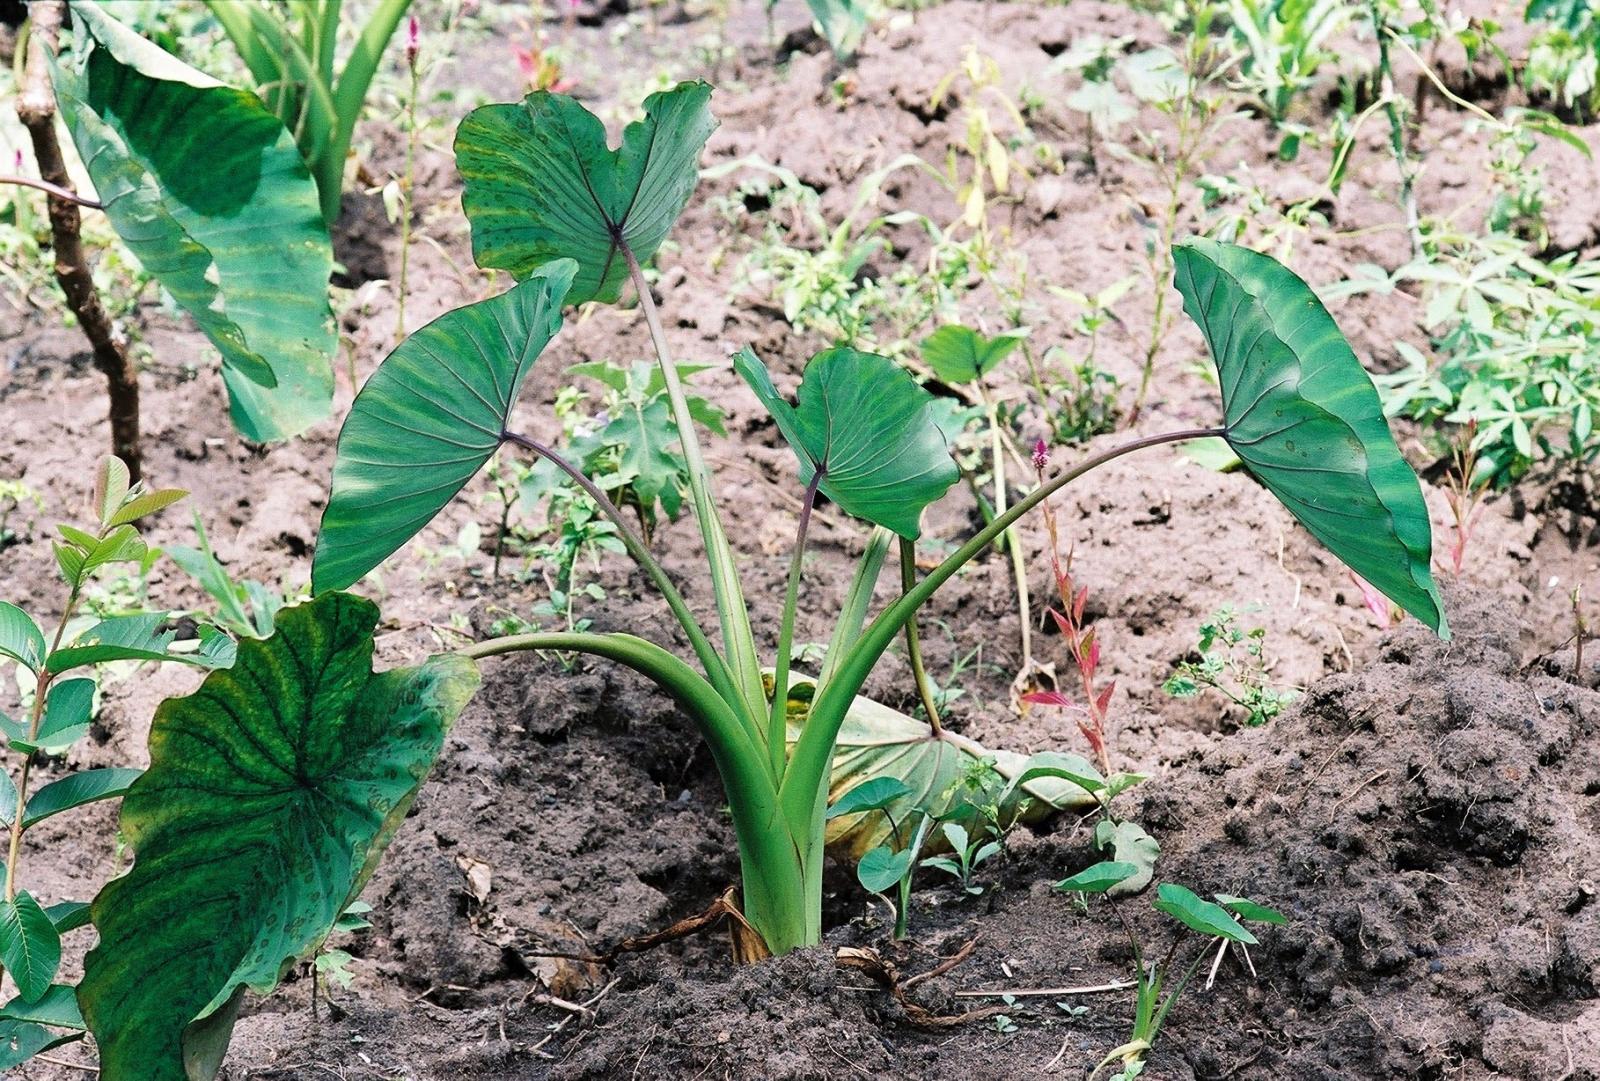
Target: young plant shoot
[{"x": 573, "y": 220}]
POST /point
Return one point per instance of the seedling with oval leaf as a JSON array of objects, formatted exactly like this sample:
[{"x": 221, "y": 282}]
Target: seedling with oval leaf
[
  {"x": 58, "y": 672},
  {"x": 572, "y": 219}
]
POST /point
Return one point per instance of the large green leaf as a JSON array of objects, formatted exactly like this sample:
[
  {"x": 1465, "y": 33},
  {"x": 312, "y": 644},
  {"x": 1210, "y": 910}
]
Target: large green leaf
[
  {"x": 867, "y": 426},
  {"x": 207, "y": 188},
  {"x": 542, "y": 183},
  {"x": 428, "y": 419},
  {"x": 877, "y": 743},
  {"x": 271, "y": 793},
  {"x": 1305, "y": 420}
]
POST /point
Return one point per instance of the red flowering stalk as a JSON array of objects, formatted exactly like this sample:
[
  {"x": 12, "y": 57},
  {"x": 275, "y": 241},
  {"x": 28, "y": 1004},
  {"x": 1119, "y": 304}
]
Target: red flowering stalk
[
  {"x": 1464, "y": 493},
  {"x": 1083, "y": 644}
]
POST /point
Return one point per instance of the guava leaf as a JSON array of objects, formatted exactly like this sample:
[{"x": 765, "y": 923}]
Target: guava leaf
[
  {"x": 428, "y": 419},
  {"x": 208, "y": 190},
  {"x": 20, "y": 637},
  {"x": 75, "y": 790},
  {"x": 1304, "y": 418},
  {"x": 868, "y": 427},
  {"x": 877, "y": 743},
  {"x": 58, "y": 1006},
  {"x": 542, "y": 183},
  {"x": 138, "y": 638},
  {"x": 271, "y": 793},
  {"x": 959, "y": 354},
  {"x": 1098, "y": 878},
  {"x": 1201, "y": 915},
  {"x": 30, "y": 945}
]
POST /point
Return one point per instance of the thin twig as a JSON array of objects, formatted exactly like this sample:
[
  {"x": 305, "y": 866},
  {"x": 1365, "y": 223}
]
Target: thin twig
[
  {"x": 54, "y": 189},
  {"x": 1041, "y": 992}
]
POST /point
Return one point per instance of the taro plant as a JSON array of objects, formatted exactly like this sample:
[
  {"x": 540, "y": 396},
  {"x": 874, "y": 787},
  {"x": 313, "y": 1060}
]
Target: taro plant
[{"x": 573, "y": 219}]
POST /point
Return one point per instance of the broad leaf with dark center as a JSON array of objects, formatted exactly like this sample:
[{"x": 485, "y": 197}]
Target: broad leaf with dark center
[
  {"x": 543, "y": 183},
  {"x": 208, "y": 190},
  {"x": 867, "y": 426},
  {"x": 428, "y": 419},
  {"x": 1304, "y": 418},
  {"x": 271, "y": 793}
]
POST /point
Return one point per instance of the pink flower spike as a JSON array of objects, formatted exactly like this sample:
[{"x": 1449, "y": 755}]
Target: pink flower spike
[
  {"x": 1041, "y": 455},
  {"x": 413, "y": 40}
]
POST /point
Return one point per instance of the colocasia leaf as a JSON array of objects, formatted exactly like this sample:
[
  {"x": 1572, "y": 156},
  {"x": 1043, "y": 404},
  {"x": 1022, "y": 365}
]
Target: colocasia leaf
[
  {"x": 208, "y": 189},
  {"x": 958, "y": 354},
  {"x": 867, "y": 426},
  {"x": 1200, "y": 915},
  {"x": 542, "y": 183},
  {"x": 271, "y": 793},
  {"x": 1305, "y": 420},
  {"x": 882, "y": 868},
  {"x": 428, "y": 419},
  {"x": 895, "y": 763},
  {"x": 1098, "y": 878}
]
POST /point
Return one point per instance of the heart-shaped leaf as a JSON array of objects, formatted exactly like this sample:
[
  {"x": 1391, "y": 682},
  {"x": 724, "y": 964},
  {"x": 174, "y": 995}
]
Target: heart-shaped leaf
[
  {"x": 882, "y": 868},
  {"x": 873, "y": 795},
  {"x": 1098, "y": 878},
  {"x": 877, "y": 743},
  {"x": 428, "y": 419},
  {"x": 208, "y": 190},
  {"x": 1197, "y": 914},
  {"x": 1304, "y": 418},
  {"x": 542, "y": 183},
  {"x": 866, "y": 425},
  {"x": 271, "y": 793},
  {"x": 959, "y": 354}
]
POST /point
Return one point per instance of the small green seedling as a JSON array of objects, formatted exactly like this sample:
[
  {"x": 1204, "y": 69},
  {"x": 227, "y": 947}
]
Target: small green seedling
[
  {"x": 1233, "y": 662},
  {"x": 1159, "y": 983}
]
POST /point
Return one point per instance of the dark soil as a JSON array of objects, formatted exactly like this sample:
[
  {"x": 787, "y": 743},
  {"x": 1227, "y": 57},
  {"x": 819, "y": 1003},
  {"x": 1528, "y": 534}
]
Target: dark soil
[{"x": 1426, "y": 816}]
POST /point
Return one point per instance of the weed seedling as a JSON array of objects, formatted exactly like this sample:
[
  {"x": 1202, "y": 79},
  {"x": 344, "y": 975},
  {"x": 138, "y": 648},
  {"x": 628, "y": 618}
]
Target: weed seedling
[{"x": 1233, "y": 661}]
